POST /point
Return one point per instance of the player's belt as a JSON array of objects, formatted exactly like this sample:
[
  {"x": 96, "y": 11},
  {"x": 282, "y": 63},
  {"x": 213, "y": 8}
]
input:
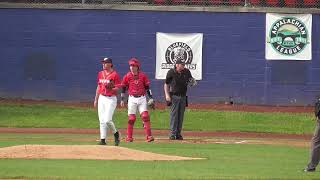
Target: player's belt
[
  {"x": 107, "y": 95},
  {"x": 179, "y": 94},
  {"x": 136, "y": 96}
]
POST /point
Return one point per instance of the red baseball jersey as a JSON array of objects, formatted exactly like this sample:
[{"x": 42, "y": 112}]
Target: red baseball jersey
[
  {"x": 136, "y": 83},
  {"x": 104, "y": 78}
]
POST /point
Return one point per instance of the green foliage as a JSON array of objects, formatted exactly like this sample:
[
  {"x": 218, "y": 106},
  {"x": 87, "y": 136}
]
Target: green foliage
[{"x": 41, "y": 116}]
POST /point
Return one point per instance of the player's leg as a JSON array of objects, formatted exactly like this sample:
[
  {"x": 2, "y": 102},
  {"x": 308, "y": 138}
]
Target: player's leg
[
  {"x": 102, "y": 121},
  {"x": 145, "y": 118},
  {"x": 111, "y": 106},
  {"x": 315, "y": 149},
  {"x": 174, "y": 115},
  {"x": 182, "y": 108},
  {"x": 132, "y": 109}
]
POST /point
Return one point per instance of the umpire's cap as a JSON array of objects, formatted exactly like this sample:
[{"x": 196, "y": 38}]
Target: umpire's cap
[
  {"x": 106, "y": 60},
  {"x": 179, "y": 61}
]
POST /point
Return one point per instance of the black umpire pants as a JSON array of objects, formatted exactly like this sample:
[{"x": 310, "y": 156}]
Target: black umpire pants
[
  {"x": 177, "y": 114},
  {"x": 315, "y": 147}
]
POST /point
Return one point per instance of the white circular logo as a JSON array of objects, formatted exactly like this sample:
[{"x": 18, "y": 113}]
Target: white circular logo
[{"x": 179, "y": 51}]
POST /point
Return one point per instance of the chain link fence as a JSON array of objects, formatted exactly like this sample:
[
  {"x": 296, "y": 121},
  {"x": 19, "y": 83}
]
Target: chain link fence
[{"x": 204, "y": 3}]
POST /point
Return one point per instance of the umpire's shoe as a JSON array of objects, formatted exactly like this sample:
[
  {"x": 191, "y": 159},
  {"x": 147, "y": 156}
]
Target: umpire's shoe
[
  {"x": 116, "y": 138},
  {"x": 172, "y": 137},
  {"x": 309, "y": 169},
  {"x": 102, "y": 142},
  {"x": 179, "y": 137}
]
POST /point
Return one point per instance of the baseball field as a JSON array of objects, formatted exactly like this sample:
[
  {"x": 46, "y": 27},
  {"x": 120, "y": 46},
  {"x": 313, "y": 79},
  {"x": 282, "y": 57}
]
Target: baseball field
[{"x": 59, "y": 141}]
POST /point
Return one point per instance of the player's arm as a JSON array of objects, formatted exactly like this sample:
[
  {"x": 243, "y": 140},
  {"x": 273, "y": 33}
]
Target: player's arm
[
  {"x": 149, "y": 93},
  {"x": 151, "y": 102},
  {"x": 147, "y": 87},
  {"x": 117, "y": 83},
  {"x": 317, "y": 108},
  {"x": 124, "y": 85},
  {"x": 122, "y": 96},
  {"x": 166, "y": 86},
  {"x": 123, "y": 93},
  {"x": 166, "y": 91},
  {"x": 192, "y": 81},
  {"x": 96, "y": 98}
]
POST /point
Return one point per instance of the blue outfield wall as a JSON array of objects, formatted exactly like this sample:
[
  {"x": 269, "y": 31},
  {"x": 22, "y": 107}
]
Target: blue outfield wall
[{"x": 54, "y": 55}]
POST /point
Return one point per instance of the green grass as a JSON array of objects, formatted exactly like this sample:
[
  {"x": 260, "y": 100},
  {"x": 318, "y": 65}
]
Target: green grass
[
  {"x": 44, "y": 116},
  {"x": 235, "y": 161},
  {"x": 223, "y": 161}
]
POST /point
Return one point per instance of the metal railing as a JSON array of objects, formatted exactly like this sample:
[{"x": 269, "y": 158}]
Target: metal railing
[{"x": 202, "y": 3}]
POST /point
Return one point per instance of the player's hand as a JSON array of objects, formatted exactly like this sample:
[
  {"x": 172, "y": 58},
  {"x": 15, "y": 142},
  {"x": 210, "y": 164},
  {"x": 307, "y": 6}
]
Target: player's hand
[
  {"x": 151, "y": 104},
  {"x": 110, "y": 85},
  {"x": 95, "y": 103},
  {"x": 122, "y": 103},
  {"x": 192, "y": 82},
  {"x": 168, "y": 98}
]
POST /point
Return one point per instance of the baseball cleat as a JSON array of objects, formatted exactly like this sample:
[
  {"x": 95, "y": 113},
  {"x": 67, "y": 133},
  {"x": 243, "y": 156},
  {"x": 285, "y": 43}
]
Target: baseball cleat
[
  {"x": 179, "y": 137},
  {"x": 116, "y": 138},
  {"x": 129, "y": 139},
  {"x": 309, "y": 170},
  {"x": 172, "y": 137},
  {"x": 102, "y": 142},
  {"x": 150, "y": 138}
]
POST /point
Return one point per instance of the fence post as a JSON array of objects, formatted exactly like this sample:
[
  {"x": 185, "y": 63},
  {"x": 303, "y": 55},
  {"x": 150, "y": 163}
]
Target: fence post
[{"x": 246, "y": 3}]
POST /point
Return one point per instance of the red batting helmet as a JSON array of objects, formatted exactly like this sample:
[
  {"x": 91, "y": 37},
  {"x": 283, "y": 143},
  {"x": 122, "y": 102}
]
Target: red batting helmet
[{"x": 134, "y": 62}]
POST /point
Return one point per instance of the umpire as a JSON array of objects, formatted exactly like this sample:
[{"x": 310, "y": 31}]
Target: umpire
[
  {"x": 315, "y": 144},
  {"x": 175, "y": 88}
]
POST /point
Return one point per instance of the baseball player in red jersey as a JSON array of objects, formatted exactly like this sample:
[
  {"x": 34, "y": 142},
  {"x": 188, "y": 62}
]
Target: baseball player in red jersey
[
  {"x": 106, "y": 100},
  {"x": 138, "y": 86}
]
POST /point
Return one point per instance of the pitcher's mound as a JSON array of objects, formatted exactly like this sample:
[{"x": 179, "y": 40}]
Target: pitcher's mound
[{"x": 84, "y": 152}]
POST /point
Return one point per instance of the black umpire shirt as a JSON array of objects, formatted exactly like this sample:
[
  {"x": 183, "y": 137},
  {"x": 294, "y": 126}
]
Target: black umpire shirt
[{"x": 178, "y": 81}]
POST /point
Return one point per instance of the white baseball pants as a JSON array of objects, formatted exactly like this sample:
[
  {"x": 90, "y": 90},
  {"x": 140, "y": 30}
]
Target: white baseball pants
[
  {"x": 137, "y": 103},
  {"x": 106, "y": 107}
]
